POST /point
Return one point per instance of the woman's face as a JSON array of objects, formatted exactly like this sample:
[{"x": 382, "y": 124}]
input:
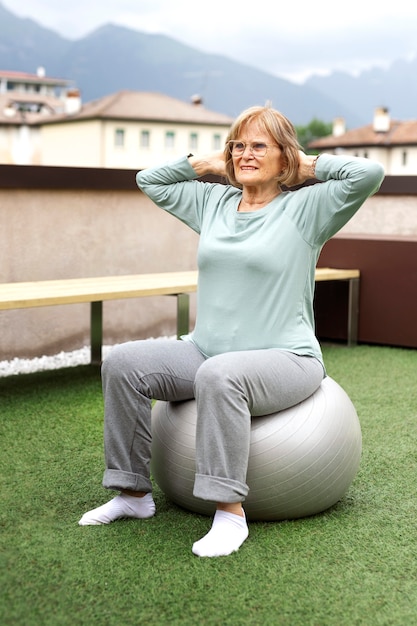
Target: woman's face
[{"x": 253, "y": 165}]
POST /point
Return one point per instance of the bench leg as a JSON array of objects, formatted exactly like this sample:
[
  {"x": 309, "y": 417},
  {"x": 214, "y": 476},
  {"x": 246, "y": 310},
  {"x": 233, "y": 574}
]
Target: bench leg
[
  {"x": 96, "y": 332},
  {"x": 183, "y": 314},
  {"x": 353, "y": 312}
]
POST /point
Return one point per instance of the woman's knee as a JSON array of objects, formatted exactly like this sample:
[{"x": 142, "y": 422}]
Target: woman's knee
[
  {"x": 118, "y": 361},
  {"x": 215, "y": 374}
]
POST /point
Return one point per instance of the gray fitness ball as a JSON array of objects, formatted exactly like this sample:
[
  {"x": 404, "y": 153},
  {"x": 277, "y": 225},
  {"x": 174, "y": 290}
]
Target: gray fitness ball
[{"x": 302, "y": 460}]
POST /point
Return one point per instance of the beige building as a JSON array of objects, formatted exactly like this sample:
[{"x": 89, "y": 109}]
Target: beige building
[
  {"x": 392, "y": 143},
  {"x": 26, "y": 100},
  {"x": 130, "y": 129},
  {"x": 43, "y": 122}
]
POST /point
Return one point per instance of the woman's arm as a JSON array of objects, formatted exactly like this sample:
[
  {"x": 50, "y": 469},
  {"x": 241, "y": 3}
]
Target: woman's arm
[
  {"x": 321, "y": 210},
  {"x": 356, "y": 176},
  {"x": 174, "y": 188}
]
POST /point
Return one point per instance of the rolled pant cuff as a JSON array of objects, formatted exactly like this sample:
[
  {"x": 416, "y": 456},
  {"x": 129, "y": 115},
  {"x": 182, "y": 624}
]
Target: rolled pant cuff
[
  {"x": 218, "y": 489},
  {"x": 118, "y": 479}
]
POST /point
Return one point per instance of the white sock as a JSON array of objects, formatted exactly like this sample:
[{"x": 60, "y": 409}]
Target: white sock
[
  {"x": 123, "y": 505},
  {"x": 226, "y": 535}
]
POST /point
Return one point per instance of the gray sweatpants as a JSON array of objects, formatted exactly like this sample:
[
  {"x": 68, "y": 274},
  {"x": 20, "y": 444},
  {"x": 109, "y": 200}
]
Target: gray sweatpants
[{"x": 229, "y": 388}]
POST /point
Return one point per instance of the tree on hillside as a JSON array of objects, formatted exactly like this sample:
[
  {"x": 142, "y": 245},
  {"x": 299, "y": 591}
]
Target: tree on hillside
[{"x": 315, "y": 129}]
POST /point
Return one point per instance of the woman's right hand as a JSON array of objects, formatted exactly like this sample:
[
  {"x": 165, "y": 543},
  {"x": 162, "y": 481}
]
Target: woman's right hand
[{"x": 212, "y": 163}]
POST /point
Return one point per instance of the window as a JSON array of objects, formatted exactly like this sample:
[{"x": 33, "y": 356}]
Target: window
[
  {"x": 169, "y": 139},
  {"x": 119, "y": 137},
  {"x": 217, "y": 141},
  {"x": 404, "y": 158},
  {"x": 193, "y": 141},
  {"x": 145, "y": 139}
]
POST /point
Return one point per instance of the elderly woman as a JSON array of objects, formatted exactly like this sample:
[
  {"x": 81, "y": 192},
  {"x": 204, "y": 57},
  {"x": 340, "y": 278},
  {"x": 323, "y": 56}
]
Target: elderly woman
[{"x": 253, "y": 350}]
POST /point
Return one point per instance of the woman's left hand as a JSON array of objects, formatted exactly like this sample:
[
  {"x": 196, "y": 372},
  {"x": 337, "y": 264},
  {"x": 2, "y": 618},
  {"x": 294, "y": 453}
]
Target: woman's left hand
[{"x": 306, "y": 167}]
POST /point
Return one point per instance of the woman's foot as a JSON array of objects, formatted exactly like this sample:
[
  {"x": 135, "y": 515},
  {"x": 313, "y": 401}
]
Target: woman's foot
[
  {"x": 226, "y": 535},
  {"x": 123, "y": 505}
]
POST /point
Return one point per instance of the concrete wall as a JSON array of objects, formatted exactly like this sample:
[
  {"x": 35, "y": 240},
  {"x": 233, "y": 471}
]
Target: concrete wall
[
  {"x": 62, "y": 233},
  {"x": 384, "y": 215},
  {"x": 71, "y": 222}
]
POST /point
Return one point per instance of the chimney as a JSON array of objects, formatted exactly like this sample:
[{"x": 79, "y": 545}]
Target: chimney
[
  {"x": 339, "y": 126},
  {"x": 72, "y": 101},
  {"x": 196, "y": 100},
  {"x": 381, "y": 120}
]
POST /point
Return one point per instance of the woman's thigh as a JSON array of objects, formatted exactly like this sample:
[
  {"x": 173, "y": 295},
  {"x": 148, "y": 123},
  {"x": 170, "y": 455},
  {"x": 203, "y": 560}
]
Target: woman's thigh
[
  {"x": 162, "y": 369},
  {"x": 269, "y": 380}
]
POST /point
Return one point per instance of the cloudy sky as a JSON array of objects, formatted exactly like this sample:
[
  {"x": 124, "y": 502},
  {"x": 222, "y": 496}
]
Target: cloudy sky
[{"x": 291, "y": 39}]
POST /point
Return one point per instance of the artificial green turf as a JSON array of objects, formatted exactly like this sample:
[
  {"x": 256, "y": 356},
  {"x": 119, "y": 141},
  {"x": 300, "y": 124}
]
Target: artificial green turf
[{"x": 354, "y": 564}]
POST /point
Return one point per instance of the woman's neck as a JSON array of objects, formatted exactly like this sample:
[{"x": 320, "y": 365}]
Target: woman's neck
[{"x": 253, "y": 200}]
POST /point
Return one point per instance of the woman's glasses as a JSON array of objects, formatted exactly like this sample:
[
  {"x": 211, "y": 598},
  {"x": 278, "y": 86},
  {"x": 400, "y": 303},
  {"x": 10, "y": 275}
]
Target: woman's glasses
[{"x": 257, "y": 148}]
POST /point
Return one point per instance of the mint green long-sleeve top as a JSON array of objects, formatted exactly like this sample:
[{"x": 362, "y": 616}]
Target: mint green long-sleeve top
[{"x": 257, "y": 269}]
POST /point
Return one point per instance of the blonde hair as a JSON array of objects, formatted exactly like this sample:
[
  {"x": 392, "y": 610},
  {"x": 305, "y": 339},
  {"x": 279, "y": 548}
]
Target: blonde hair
[{"x": 281, "y": 131}]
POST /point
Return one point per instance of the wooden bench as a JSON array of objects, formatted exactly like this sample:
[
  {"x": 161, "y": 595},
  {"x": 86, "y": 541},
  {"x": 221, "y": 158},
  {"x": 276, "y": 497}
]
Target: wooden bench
[
  {"x": 353, "y": 277},
  {"x": 96, "y": 290}
]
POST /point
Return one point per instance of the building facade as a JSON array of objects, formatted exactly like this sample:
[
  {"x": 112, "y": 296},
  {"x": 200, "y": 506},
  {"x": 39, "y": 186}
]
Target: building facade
[
  {"x": 26, "y": 100},
  {"x": 392, "y": 143},
  {"x": 132, "y": 129},
  {"x": 43, "y": 122}
]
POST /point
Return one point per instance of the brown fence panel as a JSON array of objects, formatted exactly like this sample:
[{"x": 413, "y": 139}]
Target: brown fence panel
[{"x": 388, "y": 293}]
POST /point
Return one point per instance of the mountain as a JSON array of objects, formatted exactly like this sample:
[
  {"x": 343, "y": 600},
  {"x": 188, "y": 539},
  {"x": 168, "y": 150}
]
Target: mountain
[
  {"x": 395, "y": 89},
  {"x": 113, "y": 58},
  {"x": 23, "y": 43}
]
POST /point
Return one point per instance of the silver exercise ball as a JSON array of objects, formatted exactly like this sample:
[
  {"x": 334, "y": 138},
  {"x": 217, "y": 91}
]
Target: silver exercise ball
[{"x": 302, "y": 460}]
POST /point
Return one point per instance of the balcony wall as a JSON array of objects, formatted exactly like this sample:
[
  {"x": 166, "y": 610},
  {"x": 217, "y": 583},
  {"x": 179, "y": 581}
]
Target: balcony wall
[
  {"x": 67, "y": 223},
  {"x": 59, "y": 222}
]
